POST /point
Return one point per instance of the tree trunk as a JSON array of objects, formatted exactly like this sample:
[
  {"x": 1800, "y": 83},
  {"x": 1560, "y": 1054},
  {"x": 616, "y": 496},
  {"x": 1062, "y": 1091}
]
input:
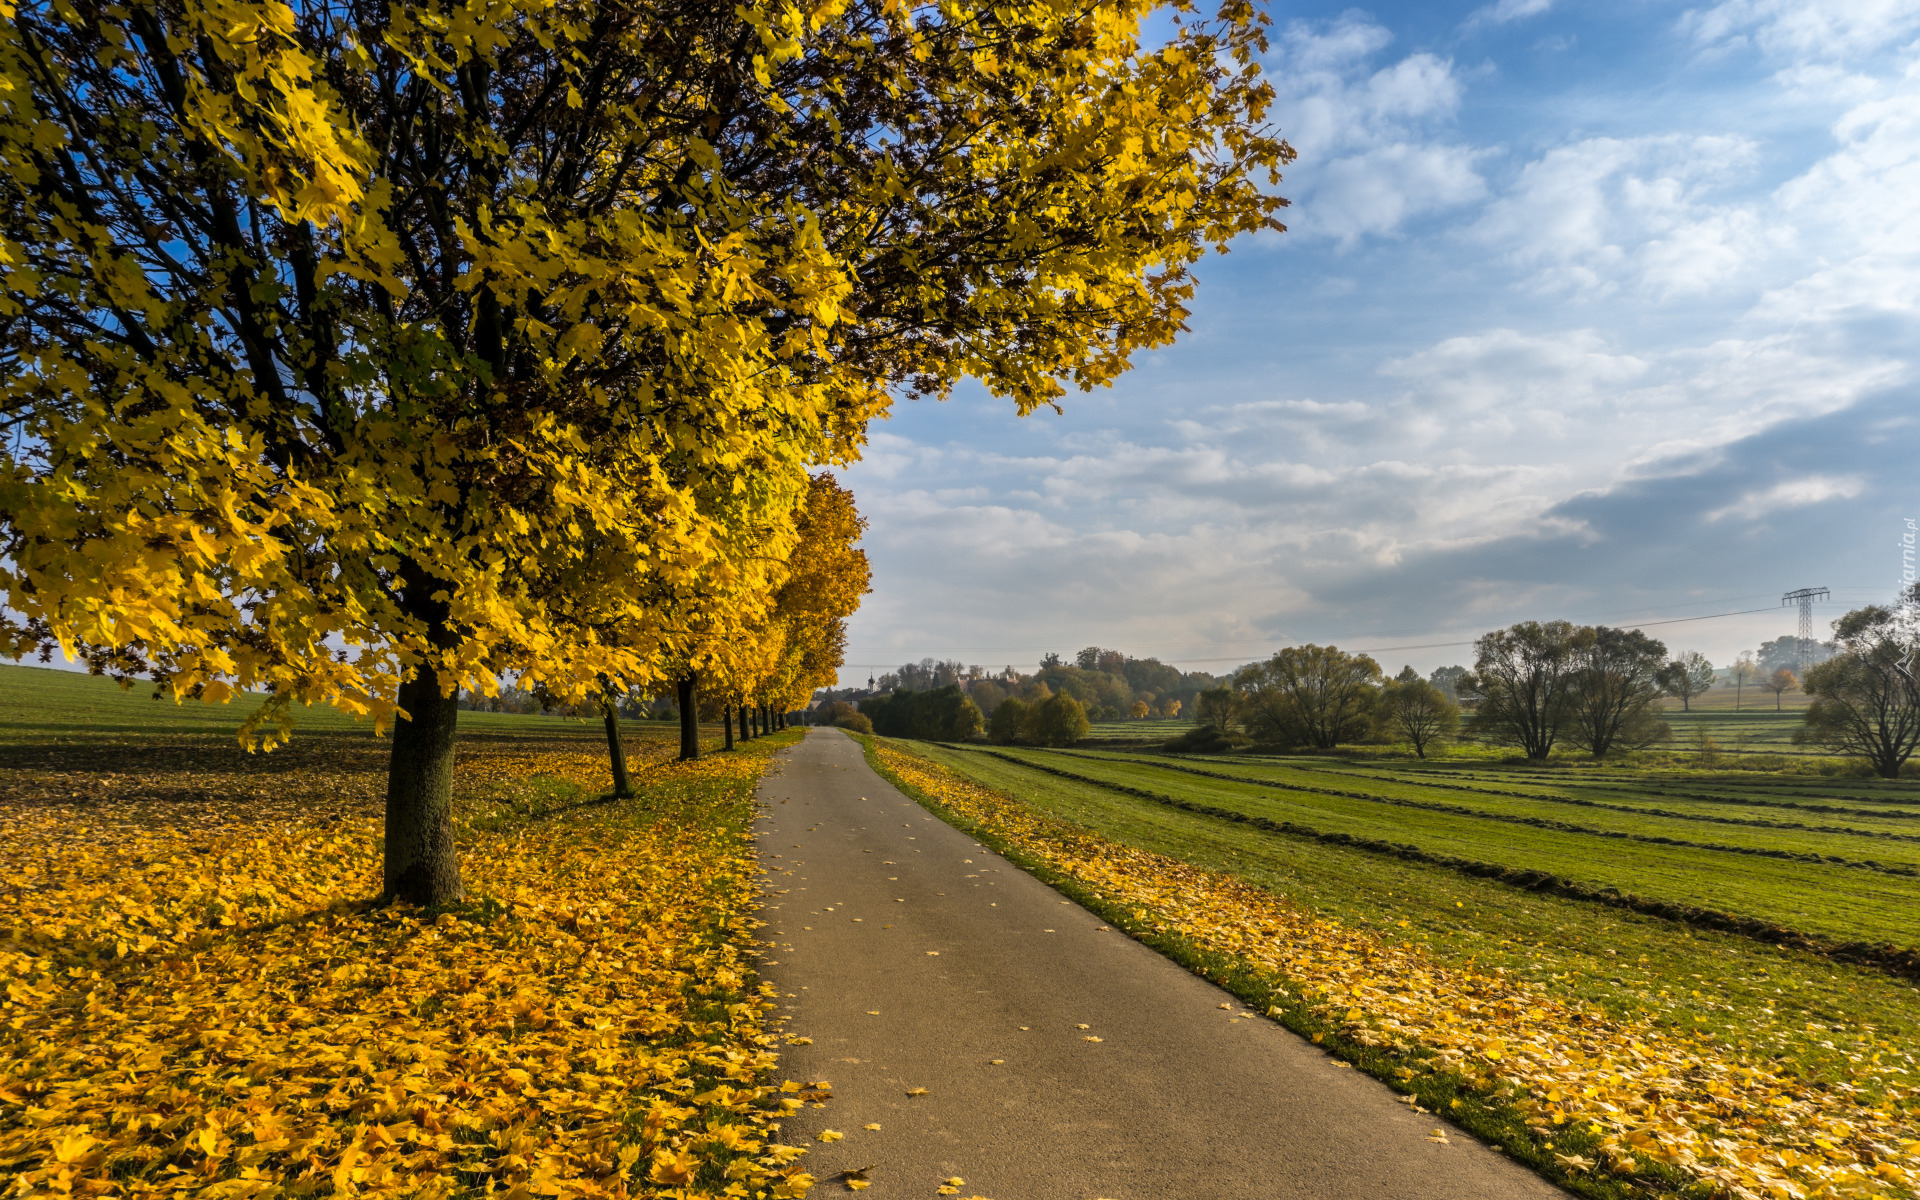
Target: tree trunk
[
  {"x": 689, "y": 717},
  {"x": 726, "y": 723},
  {"x": 421, "y": 867},
  {"x": 622, "y": 782}
]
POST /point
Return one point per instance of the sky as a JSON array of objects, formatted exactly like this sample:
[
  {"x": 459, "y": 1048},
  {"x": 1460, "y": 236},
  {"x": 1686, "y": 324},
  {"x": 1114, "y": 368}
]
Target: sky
[{"x": 1608, "y": 312}]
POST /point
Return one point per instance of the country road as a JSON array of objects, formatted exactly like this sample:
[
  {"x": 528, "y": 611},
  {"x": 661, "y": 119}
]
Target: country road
[{"x": 1059, "y": 1060}]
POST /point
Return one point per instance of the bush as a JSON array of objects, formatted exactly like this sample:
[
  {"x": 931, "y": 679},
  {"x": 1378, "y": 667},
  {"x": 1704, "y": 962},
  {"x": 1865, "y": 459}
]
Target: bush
[{"x": 856, "y": 721}]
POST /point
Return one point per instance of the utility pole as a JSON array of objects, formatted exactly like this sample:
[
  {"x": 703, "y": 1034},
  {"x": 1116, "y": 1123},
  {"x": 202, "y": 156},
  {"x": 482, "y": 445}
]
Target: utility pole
[{"x": 1804, "y": 598}]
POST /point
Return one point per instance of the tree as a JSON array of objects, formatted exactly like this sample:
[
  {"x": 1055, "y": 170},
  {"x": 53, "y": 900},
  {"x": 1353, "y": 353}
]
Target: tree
[
  {"x": 365, "y": 325},
  {"x": 1740, "y": 674},
  {"x": 1520, "y": 675},
  {"x": 1865, "y": 702},
  {"x": 1418, "y": 712},
  {"x": 1781, "y": 681},
  {"x": 1613, "y": 691},
  {"x": 616, "y": 753},
  {"x": 1318, "y": 696},
  {"x": 1447, "y": 679},
  {"x": 805, "y": 636},
  {"x": 987, "y": 694},
  {"x": 1217, "y": 708},
  {"x": 1140, "y": 710},
  {"x": 1786, "y": 651},
  {"x": 1060, "y": 721},
  {"x": 1685, "y": 677},
  {"x": 1009, "y": 722},
  {"x": 1171, "y": 708}
]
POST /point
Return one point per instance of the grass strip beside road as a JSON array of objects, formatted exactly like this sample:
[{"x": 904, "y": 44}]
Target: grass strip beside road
[
  {"x": 1606, "y": 1103},
  {"x": 212, "y": 1006}
]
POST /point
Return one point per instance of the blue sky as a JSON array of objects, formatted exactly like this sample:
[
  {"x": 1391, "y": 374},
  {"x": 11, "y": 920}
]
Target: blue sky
[{"x": 1604, "y": 311}]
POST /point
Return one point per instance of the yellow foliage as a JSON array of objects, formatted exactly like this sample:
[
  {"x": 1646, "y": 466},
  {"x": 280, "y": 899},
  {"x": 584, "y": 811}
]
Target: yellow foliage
[
  {"x": 202, "y": 1000},
  {"x": 1736, "y": 1123},
  {"x": 501, "y": 337}
]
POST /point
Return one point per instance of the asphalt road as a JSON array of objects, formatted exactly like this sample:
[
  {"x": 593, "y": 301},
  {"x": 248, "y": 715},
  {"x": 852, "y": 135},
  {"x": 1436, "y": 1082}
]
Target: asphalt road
[{"x": 1059, "y": 1060}]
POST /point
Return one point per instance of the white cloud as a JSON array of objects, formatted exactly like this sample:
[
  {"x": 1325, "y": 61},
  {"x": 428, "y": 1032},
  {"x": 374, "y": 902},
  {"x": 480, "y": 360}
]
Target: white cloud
[
  {"x": 1804, "y": 28},
  {"x": 1504, "y": 370},
  {"x": 1602, "y": 213},
  {"x": 1504, "y": 11},
  {"x": 1855, "y": 209},
  {"x": 1378, "y": 190},
  {"x": 1794, "y": 493},
  {"x": 1372, "y": 150}
]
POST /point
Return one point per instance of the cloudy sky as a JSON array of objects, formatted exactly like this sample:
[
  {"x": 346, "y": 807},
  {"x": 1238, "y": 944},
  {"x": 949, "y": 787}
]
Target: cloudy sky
[{"x": 1608, "y": 311}]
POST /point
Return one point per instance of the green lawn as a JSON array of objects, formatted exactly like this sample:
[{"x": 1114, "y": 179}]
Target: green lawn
[
  {"x": 39, "y": 704},
  {"x": 1753, "y": 994}
]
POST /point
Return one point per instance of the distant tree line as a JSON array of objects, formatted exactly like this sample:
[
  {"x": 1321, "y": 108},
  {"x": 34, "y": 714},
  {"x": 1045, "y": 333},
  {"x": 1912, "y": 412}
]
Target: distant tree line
[{"x": 1536, "y": 686}]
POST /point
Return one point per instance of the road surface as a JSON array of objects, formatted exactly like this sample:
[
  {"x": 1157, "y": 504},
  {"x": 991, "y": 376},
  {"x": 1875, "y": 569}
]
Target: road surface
[{"x": 1060, "y": 1060}]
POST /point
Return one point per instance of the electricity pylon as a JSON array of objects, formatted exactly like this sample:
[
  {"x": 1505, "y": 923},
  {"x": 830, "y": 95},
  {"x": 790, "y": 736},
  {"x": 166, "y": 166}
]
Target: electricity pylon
[{"x": 1804, "y": 598}]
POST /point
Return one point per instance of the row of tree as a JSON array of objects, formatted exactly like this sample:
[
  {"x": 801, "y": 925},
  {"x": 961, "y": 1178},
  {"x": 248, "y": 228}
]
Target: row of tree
[
  {"x": 1540, "y": 684},
  {"x": 371, "y": 352},
  {"x": 1109, "y": 685}
]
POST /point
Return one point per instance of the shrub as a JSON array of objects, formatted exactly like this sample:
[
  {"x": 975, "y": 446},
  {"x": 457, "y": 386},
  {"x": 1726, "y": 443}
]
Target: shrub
[{"x": 856, "y": 721}]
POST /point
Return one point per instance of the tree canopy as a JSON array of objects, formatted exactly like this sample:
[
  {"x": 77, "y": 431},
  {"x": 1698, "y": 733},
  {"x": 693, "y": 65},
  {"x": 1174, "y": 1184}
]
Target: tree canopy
[
  {"x": 1866, "y": 699},
  {"x": 1315, "y": 696},
  {"x": 362, "y": 352}
]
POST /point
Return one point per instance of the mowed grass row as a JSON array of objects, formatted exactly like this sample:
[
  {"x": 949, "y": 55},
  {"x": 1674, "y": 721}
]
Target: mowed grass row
[
  {"x": 1707, "y": 796},
  {"x": 1626, "y": 808},
  {"x": 1841, "y": 903},
  {"x": 1735, "y": 784},
  {"x": 1766, "y": 998},
  {"x": 1279, "y": 781}
]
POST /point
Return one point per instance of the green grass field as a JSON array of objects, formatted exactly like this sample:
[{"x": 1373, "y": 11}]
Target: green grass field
[
  {"x": 1751, "y": 992},
  {"x": 66, "y": 736},
  {"x": 38, "y": 704}
]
